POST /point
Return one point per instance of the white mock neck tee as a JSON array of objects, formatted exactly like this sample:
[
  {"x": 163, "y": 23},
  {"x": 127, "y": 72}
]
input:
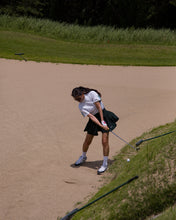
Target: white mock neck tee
[{"x": 87, "y": 105}]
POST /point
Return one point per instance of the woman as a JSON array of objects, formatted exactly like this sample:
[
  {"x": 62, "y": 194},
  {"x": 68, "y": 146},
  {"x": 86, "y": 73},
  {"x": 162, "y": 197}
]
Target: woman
[{"x": 100, "y": 119}]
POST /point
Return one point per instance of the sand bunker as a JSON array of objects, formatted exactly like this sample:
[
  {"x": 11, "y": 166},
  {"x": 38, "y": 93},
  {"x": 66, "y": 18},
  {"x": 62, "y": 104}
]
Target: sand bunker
[{"x": 41, "y": 129}]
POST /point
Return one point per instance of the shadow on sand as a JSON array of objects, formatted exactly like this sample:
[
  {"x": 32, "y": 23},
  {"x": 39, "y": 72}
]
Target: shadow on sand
[{"x": 92, "y": 164}]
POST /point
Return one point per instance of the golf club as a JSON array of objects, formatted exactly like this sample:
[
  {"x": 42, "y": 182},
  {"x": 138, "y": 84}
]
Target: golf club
[
  {"x": 70, "y": 215},
  {"x": 141, "y": 141},
  {"x": 135, "y": 148},
  {"x": 20, "y": 54}
]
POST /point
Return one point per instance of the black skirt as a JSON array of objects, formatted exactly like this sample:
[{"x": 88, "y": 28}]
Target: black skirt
[{"x": 109, "y": 117}]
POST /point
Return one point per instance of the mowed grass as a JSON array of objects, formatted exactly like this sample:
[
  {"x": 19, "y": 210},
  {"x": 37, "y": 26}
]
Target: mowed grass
[
  {"x": 38, "y": 48},
  {"x": 44, "y": 40},
  {"x": 150, "y": 194}
]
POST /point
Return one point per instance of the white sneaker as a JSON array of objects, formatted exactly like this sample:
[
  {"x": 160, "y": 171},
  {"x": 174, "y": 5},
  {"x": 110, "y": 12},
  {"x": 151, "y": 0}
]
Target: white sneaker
[
  {"x": 102, "y": 169},
  {"x": 80, "y": 161}
]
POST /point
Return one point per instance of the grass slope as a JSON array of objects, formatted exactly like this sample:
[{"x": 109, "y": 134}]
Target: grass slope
[
  {"x": 154, "y": 190},
  {"x": 47, "y": 41},
  {"x": 169, "y": 214},
  {"x": 38, "y": 48}
]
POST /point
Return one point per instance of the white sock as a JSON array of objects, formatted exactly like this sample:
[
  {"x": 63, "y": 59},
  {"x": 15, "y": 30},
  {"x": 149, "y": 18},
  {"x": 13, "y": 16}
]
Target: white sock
[
  {"x": 84, "y": 154},
  {"x": 105, "y": 161}
]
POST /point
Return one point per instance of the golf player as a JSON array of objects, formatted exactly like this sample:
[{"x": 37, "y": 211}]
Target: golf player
[{"x": 100, "y": 119}]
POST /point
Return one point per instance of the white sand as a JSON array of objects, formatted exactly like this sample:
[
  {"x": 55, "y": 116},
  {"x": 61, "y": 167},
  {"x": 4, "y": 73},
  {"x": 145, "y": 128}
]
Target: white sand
[{"x": 41, "y": 129}]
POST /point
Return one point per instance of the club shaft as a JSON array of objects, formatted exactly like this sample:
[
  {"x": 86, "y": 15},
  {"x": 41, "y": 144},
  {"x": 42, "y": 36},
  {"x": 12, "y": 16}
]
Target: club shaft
[
  {"x": 159, "y": 136},
  {"x": 143, "y": 140},
  {"x": 130, "y": 180},
  {"x": 123, "y": 140}
]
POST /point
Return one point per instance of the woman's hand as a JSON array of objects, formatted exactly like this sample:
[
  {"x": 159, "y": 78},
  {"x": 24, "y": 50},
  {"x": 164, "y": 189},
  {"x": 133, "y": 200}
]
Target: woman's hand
[
  {"x": 95, "y": 120},
  {"x": 104, "y": 125},
  {"x": 105, "y": 128}
]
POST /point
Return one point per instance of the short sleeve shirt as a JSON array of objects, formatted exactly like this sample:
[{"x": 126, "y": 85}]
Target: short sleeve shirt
[{"x": 87, "y": 105}]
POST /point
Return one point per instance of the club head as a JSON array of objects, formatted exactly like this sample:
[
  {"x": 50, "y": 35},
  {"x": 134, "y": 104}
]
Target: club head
[
  {"x": 139, "y": 142},
  {"x": 137, "y": 148}
]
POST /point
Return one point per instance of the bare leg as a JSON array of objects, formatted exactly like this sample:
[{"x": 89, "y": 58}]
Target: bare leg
[
  {"x": 85, "y": 148},
  {"x": 87, "y": 142},
  {"x": 105, "y": 143}
]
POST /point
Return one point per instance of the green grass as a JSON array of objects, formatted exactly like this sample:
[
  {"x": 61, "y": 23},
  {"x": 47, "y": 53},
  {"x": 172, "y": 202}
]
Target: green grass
[
  {"x": 38, "y": 48},
  {"x": 94, "y": 34},
  {"x": 169, "y": 214},
  {"x": 149, "y": 195},
  {"x": 44, "y": 40}
]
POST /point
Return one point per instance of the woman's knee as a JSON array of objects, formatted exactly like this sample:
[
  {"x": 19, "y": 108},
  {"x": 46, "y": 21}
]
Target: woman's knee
[
  {"x": 105, "y": 139},
  {"x": 88, "y": 139}
]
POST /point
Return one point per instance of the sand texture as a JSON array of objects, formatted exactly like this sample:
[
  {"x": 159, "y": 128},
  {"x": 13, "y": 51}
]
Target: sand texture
[{"x": 41, "y": 129}]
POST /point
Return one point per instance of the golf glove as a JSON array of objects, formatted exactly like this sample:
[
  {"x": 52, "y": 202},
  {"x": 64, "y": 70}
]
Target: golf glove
[{"x": 103, "y": 123}]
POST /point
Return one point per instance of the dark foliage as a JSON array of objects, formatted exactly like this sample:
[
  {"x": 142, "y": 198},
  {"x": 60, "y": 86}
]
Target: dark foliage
[{"x": 117, "y": 13}]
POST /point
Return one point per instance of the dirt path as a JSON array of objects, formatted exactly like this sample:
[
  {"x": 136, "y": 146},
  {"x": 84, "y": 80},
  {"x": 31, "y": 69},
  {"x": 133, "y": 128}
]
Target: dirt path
[{"x": 41, "y": 129}]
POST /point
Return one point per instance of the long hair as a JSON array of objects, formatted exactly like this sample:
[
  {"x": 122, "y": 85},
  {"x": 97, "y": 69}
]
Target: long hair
[{"x": 78, "y": 91}]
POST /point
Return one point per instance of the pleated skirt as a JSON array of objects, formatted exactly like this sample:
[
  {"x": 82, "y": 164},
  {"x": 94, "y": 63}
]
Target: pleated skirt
[{"x": 109, "y": 117}]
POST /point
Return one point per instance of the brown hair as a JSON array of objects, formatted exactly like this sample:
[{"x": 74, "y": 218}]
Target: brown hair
[{"x": 78, "y": 91}]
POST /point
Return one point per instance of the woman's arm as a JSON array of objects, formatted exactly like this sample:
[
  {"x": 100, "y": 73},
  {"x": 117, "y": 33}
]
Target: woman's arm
[
  {"x": 95, "y": 120},
  {"x": 98, "y": 106}
]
